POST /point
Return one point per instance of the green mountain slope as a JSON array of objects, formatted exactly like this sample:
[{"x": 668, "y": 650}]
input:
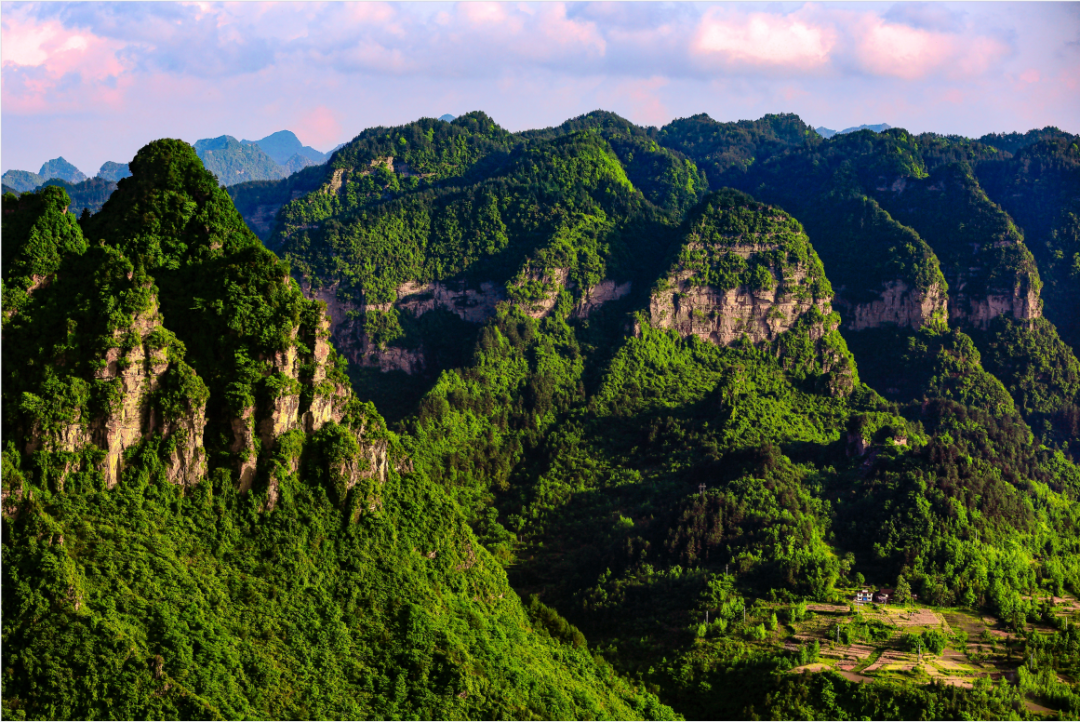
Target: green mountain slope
[
  {"x": 22, "y": 181},
  {"x": 200, "y": 520},
  {"x": 644, "y": 440},
  {"x": 235, "y": 162},
  {"x": 702, "y": 440}
]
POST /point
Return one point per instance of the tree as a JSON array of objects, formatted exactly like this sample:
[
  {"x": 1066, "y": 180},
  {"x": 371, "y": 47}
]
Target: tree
[{"x": 902, "y": 595}]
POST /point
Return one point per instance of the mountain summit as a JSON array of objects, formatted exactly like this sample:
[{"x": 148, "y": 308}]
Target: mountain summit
[
  {"x": 829, "y": 133},
  {"x": 283, "y": 145}
]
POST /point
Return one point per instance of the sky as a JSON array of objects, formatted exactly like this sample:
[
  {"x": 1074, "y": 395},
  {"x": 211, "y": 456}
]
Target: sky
[{"x": 95, "y": 81}]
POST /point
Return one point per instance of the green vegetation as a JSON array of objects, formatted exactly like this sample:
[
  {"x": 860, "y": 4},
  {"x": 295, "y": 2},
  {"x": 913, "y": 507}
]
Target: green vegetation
[
  {"x": 88, "y": 196},
  {"x": 317, "y": 593},
  {"x": 235, "y": 162},
  {"x": 578, "y": 509}
]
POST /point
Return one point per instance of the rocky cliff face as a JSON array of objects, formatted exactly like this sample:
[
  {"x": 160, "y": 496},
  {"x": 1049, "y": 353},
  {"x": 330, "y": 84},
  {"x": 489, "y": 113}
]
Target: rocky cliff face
[
  {"x": 898, "y": 304},
  {"x": 989, "y": 269},
  {"x": 724, "y": 316},
  {"x": 135, "y": 373},
  {"x": 980, "y": 310},
  {"x": 748, "y": 271},
  {"x": 595, "y": 297},
  {"x": 299, "y": 402},
  {"x": 473, "y": 305}
]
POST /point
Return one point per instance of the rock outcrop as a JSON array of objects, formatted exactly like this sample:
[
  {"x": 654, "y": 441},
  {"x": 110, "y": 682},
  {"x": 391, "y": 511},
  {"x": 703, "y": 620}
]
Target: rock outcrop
[
  {"x": 989, "y": 269},
  {"x": 747, "y": 271},
  {"x": 723, "y": 316},
  {"x": 136, "y": 374},
  {"x": 473, "y": 305},
  {"x": 897, "y": 305},
  {"x": 289, "y": 408},
  {"x": 979, "y": 311},
  {"x": 595, "y": 297}
]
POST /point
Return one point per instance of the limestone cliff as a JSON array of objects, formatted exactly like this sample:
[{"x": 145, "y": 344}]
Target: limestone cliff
[
  {"x": 989, "y": 269},
  {"x": 301, "y": 396},
  {"x": 136, "y": 372},
  {"x": 747, "y": 270},
  {"x": 898, "y": 305},
  {"x": 723, "y": 316},
  {"x": 536, "y": 291},
  {"x": 979, "y": 310}
]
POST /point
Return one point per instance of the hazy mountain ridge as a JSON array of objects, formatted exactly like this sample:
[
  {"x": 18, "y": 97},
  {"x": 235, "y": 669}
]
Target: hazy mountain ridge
[{"x": 829, "y": 133}]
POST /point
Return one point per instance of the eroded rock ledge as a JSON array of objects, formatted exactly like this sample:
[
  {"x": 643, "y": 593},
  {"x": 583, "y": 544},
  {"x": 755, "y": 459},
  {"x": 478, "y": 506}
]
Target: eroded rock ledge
[
  {"x": 472, "y": 305},
  {"x": 897, "y": 305}
]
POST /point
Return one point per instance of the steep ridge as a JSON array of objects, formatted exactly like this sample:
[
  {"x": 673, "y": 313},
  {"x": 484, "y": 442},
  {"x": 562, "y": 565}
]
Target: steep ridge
[
  {"x": 666, "y": 177},
  {"x": 989, "y": 269},
  {"x": 516, "y": 236},
  {"x": 748, "y": 271},
  {"x": 1040, "y": 189},
  {"x": 725, "y": 151},
  {"x": 932, "y": 249},
  {"x": 210, "y": 522},
  {"x": 235, "y": 162},
  {"x": 380, "y": 162}
]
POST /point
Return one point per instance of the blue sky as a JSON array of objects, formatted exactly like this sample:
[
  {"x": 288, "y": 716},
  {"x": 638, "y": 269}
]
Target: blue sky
[{"x": 95, "y": 81}]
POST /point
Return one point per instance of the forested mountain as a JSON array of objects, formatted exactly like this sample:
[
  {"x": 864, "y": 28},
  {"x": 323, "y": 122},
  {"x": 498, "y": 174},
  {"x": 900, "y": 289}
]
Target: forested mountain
[
  {"x": 86, "y": 197},
  {"x": 201, "y": 519},
  {"x": 278, "y": 155},
  {"x": 658, "y": 402},
  {"x": 283, "y": 146},
  {"x": 829, "y": 132},
  {"x": 112, "y": 171},
  {"x": 21, "y": 181},
  {"x": 234, "y": 162},
  {"x": 59, "y": 169}
]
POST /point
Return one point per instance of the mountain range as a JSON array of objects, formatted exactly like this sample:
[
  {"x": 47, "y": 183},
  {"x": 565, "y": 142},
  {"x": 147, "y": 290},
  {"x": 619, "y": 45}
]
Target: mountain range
[
  {"x": 276, "y": 156},
  {"x": 594, "y": 420},
  {"x": 829, "y": 133}
]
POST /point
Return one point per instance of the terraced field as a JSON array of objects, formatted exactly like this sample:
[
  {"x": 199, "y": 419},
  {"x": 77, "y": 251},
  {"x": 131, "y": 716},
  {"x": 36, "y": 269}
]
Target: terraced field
[{"x": 977, "y": 645}]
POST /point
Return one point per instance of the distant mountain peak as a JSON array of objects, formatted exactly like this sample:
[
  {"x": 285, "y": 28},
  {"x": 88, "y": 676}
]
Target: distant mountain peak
[
  {"x": 283, "y": 146},
  {"x": 112, "y": 171},
  {"x": 829, "y": 132},
  {"x": 447, "y": 117},
  {"x": 60, "y": 168}
]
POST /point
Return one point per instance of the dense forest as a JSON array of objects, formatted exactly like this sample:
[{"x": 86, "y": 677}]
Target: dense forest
[{"x": 590, "y": 421}]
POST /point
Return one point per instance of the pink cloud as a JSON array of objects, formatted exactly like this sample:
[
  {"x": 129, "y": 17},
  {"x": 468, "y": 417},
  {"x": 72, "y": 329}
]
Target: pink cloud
[
  {"x": 47, "y": 67},
  {"x": 536, "y": 33},
  {"x": 1030, "y": 76},
  {"x": 908, "y": 53},
  {"x": 319, "y": 127},
  {"x": 637, "y": 100},
  {"x": 761, "y": 39}
]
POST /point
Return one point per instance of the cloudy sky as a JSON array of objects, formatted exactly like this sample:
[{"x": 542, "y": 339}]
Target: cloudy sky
[{"x": 94, "y": 81}]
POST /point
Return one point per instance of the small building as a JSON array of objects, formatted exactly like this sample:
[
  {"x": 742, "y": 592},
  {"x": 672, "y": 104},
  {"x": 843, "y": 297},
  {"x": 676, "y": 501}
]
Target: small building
[
  {"x": 883, "y": 596},
  {"x": 863, "y": 596}
]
